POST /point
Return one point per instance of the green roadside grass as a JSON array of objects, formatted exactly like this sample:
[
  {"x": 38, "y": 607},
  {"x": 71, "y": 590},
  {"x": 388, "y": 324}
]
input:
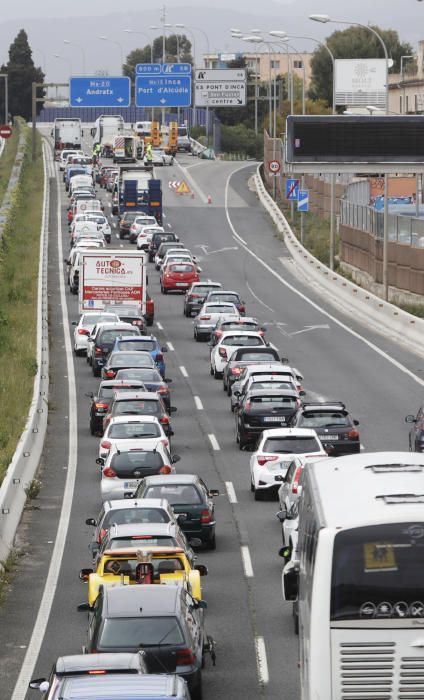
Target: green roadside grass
[
  {"x": 19, "y": 253},
  {"x": 7, "y": 160}
]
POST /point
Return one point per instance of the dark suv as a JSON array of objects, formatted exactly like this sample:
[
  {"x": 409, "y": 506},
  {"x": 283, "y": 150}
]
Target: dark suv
[
  {"x": 163, "y": 621},
  {"x": 100, "y": 401},
  {"x": 241, "y": 358},
  {"x": 157, "y": 239},
  {"x": 262, "y": 409},
  {"x": 333, "y": 424},
  {"x": 103, "y": 339},
  {"x": 196, "y": 295}
]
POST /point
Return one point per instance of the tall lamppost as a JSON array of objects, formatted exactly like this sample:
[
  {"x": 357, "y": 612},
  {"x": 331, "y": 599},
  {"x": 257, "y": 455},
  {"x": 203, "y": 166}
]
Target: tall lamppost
[
  {"x": 150, "y": 43},
  {"x": 191, "y": 31},
  {"x": 324, "y": 19},
  {"x": 117, "y": 43},
  {"x": 72, "y": 43}
]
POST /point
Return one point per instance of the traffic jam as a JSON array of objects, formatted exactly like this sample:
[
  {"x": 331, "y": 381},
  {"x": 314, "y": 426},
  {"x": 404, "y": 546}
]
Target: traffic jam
[{"x": 145, "y": 604}]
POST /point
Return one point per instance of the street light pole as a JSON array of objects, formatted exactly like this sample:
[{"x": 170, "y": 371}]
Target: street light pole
[
  {"x": 72, "y": 43},
  {"x": 117, "y": 43}
]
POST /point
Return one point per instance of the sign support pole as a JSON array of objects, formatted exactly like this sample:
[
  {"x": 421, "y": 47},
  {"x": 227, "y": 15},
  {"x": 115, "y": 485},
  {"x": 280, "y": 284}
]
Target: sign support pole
[
  {"x": 332, "y": 203},
  {"x": 302, "y": 215},
  {"x": 386, "y": 239}
]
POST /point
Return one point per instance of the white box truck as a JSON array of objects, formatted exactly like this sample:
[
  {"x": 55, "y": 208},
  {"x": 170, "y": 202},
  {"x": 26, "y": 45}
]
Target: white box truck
[
  {"x": 106, "y": 127},
  {"x": 67, "y": 134},
  {"x": 112, "y": 277}
]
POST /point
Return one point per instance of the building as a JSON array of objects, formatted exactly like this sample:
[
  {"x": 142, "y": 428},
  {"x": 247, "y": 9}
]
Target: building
[
  {"x": 406, "y": 89},
  {"x": 260, "y": 63}
]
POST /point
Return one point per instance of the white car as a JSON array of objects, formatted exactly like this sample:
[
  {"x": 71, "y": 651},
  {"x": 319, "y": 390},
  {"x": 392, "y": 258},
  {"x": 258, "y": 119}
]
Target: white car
[
  {"x": 170, "y": 249},
  {"x": 86, "y": 324},
  {"x": 277, "y": 370},
  {"x": 139, "y": 223},
  {"x": 276, "y": 450},
  {"x": 88, "y": 235},
  {"x": 123, "y": 429},
  {"x": 228, "y": 342},
  {"x": 119, "y": 471},
  {"x": 95, "y": 217},
  {"x": 145, "y": 235},
  {"x": 208, "y": 316},
  {"x": 63, "y": 158}
]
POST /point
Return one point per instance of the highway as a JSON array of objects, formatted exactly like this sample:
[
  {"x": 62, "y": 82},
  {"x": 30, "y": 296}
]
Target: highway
[{"x": 379, "y": 382}]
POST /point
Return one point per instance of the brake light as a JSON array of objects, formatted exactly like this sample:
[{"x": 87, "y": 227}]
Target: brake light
[
  {"x": 166, "y": 469},
  {"x": 159, "y": 357},
  {"x": 97, "y": 672},
  {"x": 194, "y": 296},
  {"x": 136, "y": 323},
  {"x": 110, "y": 374},
  {"x": 222, "y": 352},
  {"x": 82, "y": 331},
  {"x": 106, "y": 444},
  {"x": 204, "y": 318},
  {"x": 353, "y": 434},
  {"x": 218, "y": 334},
  {"x": 205, "y": 516},
  {"x": 102, "y": 533},
  {"x": 297, "y": 474},
  {"x": 263, "y": 459},
  {"x": 235, "y": 370},
  {"x": 101, "y": 406},
  {"x": 108, "y": 471},
  {"x": 184, "y": 657},
  {"x": 247, "y": 406},
  {"x": 162, "y": 390},
  {"x": 164, "y": 420},
  {"x": 98, "y": 351},
  {"x": 242, "y": 307}
]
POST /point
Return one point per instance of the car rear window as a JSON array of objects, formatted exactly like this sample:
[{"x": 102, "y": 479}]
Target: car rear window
[
  {"x": 218, "y": 309},
  {"x": 137, "y": 458},
  {"x": 324, "y": 419},
  {"x": 225, "y": 297},
  {"x": 181, "y": 268},
  {"x": 93, "y": 319},
  {"x": 291, "y": 444},
  {"x": 248, "y": 356},
  {"x": 174, "y": 493},
  {"x": 128, "y": 311},
  {"x": 125, "y": 431},
  {"x": 238, "y": 325},
  {"x": 283, "y": 401},
  {"x": 109, "y": 336},
  {"x": 139, "y": 631},
  {"x": 141, "y": 374},
  {"x": 242, "y": 340},
  {"x": 202, "y": 288},
  {"x": 138, "y": 541},
  {"x": 272, "y": 385},
  {"x": 129, "y": 516},
  {"x": 146, "y": 345},
  {"x": 137, "y": 406},
  {"x": 123, "y": 359}
]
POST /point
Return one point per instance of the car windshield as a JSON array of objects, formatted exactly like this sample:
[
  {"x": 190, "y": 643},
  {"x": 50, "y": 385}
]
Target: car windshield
[
  {"x": 255, "y": 356},
  {"x": 324, "y": 419},
  {"x": 119, "y": 359},
  {"x": 174, "y": 493},
  {"x": 130, "y": 516},
  {"x": 146, "y": 345},
  {"x": 109, "y": 336},
  {"x": 137, "y": 541},
  {"x": 142, "y": 375},
  {"x": 377, "y": 572},
  {"x": 137, "y": 407},
  {"x": 137, "y": 458},
  {"x": 106, "y": 392},
  {"x": 274, "y": 401},
  {"x": 128, "y": 431},
  {"x": 242, "y": 340},
  {"x": 181, "y": 268},
  {"x": 137, "y": 632},
  {"x": 291, "y": 444}
]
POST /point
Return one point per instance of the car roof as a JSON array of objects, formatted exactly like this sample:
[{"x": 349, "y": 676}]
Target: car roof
[
  {"x": 90, "y": 662},
  {"x": 171, "y": 479},
  {"x": 271, "y": 366},
  {"x": 133, "y": 419},
  {"x": 232, "y": 318},
  {"x": 140, "y": 601},
  {"x": 207, "y": 283},
  {"x": 136, "y": 395},
  {"x": 131, "y": 353},
  {"x": 243, "y": 333},
  {"x": 322, "y": 407},
  {"x": 135, "y": 529},
  {"x": 225, "y": 291},
  {"x": 121, "y": 503},
  {"x": 289, "y": 432},
  {"x": 124, "y": 686},
  {"x": 136, "y": 338},
  {"x": 121, "y": 382},
  {"x": 273, "y": 392}
]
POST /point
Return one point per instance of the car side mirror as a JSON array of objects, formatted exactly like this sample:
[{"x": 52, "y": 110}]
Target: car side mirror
[
  {"x": 36, "y": 684},
  {"x": 236, "y": 393},
  {"x": 175, "y": 459},
  {"x": 83, "y": 607},
  {"x": 172, "y": 409},
  {"x": 282, "y": 515},
  {"x": 91, "y": 521},
  {"x": 100, "y": 461},
  {"x": 200, "y": 604},
  {"x": 291, "y": 581},
  {"x": 410, "y": 419},
  {"x": 181, "y": 518},
  {"x": 74, "y": 323},
  {"x": 202, "y": 569},
  {"x": 84, "y": 574},
  {"x": 356, "y": 422},
  {"x": 213, "y": 492},
  {"x": 302, "y": 392},
  {"x": 66, "y": 261},
  {"x": 285, "y": 360}
]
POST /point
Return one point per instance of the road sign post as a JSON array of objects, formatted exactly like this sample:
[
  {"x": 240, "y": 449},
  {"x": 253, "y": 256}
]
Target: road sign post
[
  {"x": 163, "y": 85},
  {"x": 95, "y": 91}
]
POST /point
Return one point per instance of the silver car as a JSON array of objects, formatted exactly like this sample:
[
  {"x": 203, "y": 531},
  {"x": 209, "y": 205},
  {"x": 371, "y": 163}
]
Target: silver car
[{"x": 206, "y": 320}]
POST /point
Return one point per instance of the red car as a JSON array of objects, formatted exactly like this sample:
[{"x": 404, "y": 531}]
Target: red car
[{"x": 178, "y": 276}]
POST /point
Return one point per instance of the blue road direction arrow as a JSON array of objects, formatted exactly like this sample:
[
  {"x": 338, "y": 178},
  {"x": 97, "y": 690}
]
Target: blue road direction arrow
[
  {"x": 303, "y": 201},
  {"x": 163, "y": 69},
  {"x": 95, "y": 91},
  {"x": 168, "y": 90}
]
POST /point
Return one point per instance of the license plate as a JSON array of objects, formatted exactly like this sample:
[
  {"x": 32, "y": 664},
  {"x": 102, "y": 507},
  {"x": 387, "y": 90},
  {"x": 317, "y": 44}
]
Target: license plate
[
  {"x": 329, "y": 437},
  {"x": 274, "y": 419},
  {"x": 181, "y": 284},
  {"x": 130, "y": 484}
]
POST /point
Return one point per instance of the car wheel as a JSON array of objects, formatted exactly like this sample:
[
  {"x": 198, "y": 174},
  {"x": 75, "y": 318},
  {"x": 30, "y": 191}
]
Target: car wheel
[
  {"x": 258, "y": 495},
  {"x": 196, "y": 690},
  {"x": 211, "y": 544},
  {"x": 211, "y": 370},
  {"x": 229, "y": 392},
  {"x": 73, "y": 289},
  {"x": 92, "y": 428},
  {"x": 224, "y": 385},
  {"x": 252, "y": 486},
  {"x": 121, "y": 235},
  {"x": 163, "y": 290},
  {"x": 217, "y": 374},
  {"x": 295, "y": 620},
  {"x": 241, "y": 440},
  {"x": 96, "y": 371}
]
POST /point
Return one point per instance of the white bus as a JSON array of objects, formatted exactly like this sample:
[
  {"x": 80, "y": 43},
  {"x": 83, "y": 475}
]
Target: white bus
[{"x": 358, "y": 577}]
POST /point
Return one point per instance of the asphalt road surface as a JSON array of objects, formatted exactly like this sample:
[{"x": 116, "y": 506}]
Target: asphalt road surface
[{"x": 379, "y": 382}]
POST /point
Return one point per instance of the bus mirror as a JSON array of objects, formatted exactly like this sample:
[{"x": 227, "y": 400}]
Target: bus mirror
[{"x": 291, "y": 581}]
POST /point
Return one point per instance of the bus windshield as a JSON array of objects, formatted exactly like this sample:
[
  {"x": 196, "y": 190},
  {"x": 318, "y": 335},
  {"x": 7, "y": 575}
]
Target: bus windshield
[{"x": 377, "y": 572}]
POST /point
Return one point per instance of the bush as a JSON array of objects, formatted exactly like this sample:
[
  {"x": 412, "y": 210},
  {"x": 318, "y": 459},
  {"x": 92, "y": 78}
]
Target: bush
[{"x": 240, "y": 139}]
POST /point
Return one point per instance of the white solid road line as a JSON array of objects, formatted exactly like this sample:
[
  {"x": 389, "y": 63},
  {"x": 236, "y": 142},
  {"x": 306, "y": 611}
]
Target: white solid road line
[
  {"x": 159, "y": 325},
  {"x": 193, "y": 184},
  {"x": 198, "y": 403},
  {"x": 34, "y": 646},
  {"x": 247, "y": 562},
  {"x": 261, "y": 660},
  {"x": 170, "y": 346},
  {"x": 183, "y": 371},
  {"x": 257, "y": 298},
  {"x": 309, "y": 301},
  {"x": 214, "y": 442},
  {"x": 231, "y": 492}
]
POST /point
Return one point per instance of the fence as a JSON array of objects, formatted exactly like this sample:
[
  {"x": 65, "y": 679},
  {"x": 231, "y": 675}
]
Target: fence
[{"x": 408, "y": 230}]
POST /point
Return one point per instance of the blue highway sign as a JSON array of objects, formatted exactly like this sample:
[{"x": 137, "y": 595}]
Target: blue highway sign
[
  {"x": 303, "y": 200},
  {"x": 163, "y": 69},
  {"x": 163, "y": 90},
  {"x": 292, "y": 190},
  {"x": 95, "y": 91}
]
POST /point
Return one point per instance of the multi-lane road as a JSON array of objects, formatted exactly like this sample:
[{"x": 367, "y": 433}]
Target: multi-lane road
[{"x": 380, "y": 383}]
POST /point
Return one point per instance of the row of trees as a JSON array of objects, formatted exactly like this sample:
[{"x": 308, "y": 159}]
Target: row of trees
[{"x": 21, "y": 73}]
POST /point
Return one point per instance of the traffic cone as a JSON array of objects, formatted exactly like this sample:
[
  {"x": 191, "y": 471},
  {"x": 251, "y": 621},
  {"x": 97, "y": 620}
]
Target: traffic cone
[{"x": 209, "y": 199}]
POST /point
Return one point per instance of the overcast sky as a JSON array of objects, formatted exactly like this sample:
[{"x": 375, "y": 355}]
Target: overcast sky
[{"x": 83, "y": 21}]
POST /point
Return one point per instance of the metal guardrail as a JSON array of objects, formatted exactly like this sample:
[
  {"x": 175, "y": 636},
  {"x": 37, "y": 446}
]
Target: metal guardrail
[
  {"x": 28, "y": 452},
  {"x": 402, "y": 229}
]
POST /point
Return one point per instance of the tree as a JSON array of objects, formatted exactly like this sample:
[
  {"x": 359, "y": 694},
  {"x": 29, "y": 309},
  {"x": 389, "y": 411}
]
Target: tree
[
  {"x": 354, "y": 42},
  {"x": 145, "y": 55},
  {"x": 21, "y": 74}
]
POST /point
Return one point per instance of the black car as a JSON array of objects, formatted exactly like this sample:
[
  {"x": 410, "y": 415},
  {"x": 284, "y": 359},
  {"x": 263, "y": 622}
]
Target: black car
[
  {"x": 139, "y": 403},
  {"x": 157, "y": 239},
  {"x": 196, "y": 295},
  {"x": 163, "y": 621},
  {"x": 125, "y": 222},
  {"x": 100, "y": 401},
  {"x": 103, "y": 338},
  {"x": 260, "y": 410},
  {"x": 123, "y": 359},
  {"x": 187, "y": 494},
  {"x": 416, "y": 434},
  {"x": 151, "y": 379},
  {"x": 241, "y": 358},
  {"x": 128, "y": 314},
  {"x": 333, "y": 424}
]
